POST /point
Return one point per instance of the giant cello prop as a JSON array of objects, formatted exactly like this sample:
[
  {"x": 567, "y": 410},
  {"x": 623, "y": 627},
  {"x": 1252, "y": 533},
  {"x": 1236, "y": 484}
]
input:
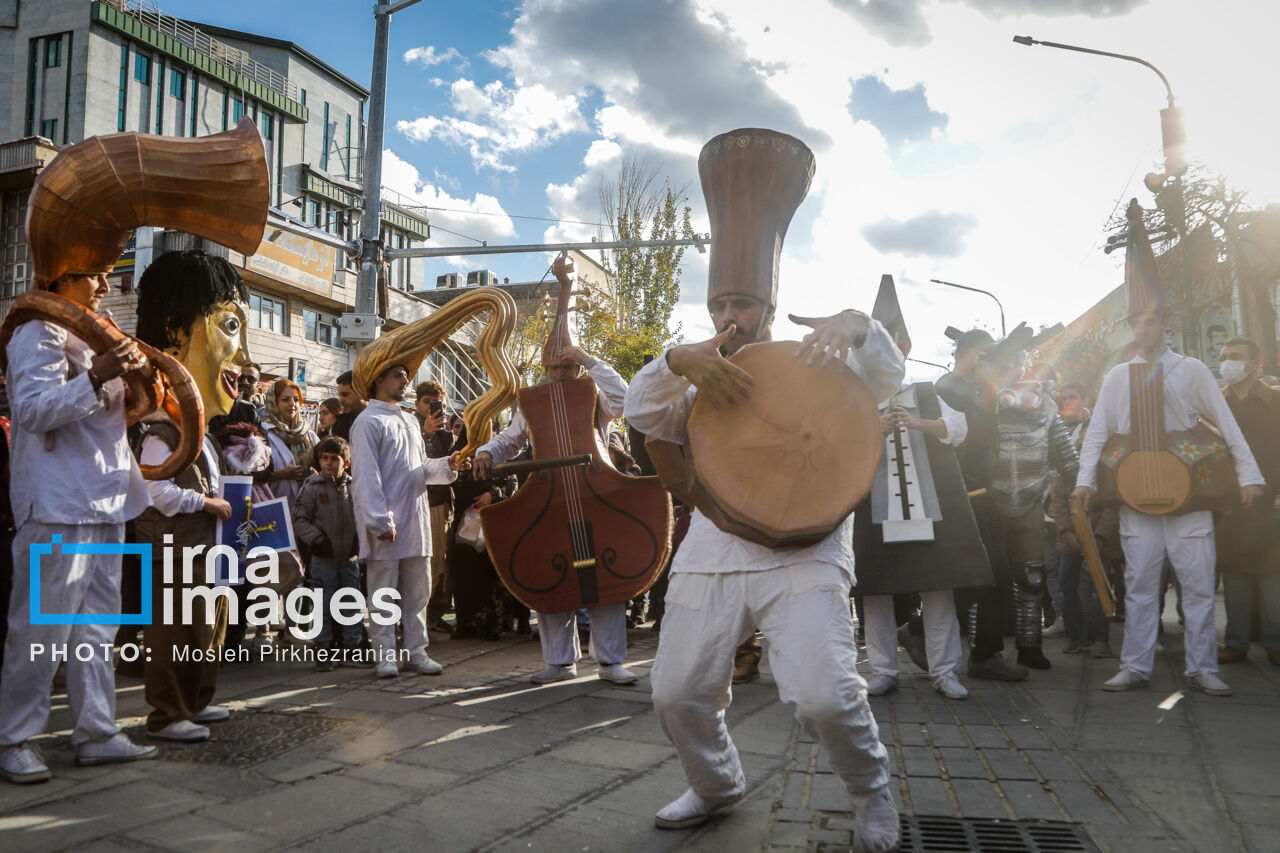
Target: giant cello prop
[
  {"x": 785, "y": 467},
  {"x": 82, "y": 211},
  {"x": 575, "y": 535},
  {"x": 1151, "y": 469}
]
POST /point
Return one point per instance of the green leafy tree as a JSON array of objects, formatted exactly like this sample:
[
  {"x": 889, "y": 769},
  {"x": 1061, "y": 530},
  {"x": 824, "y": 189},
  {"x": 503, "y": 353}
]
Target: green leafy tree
[
  {"x": 1202, "y": 229},
  {"x": 634, "y": 320}
]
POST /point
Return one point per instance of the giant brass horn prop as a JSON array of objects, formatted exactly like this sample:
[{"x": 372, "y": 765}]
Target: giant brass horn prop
[
  {"x": 82, "y": 209},
  {"x": 410, "y": 344}
]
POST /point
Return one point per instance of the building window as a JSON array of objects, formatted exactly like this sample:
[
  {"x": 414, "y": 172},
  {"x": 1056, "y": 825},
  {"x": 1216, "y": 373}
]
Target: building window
[
  {"x": 53, "y": 52},
  {"x": 237, "y": 110},
  {"x": 313, "y": 212},
  {"x": 16, "y": 273},
  {"x": 142, "y": 69},
  {"x": 324, "y": 145},
  {"x": 304, "y": 97},
  {"x": 346, "y": 166},
  {"x": 266, "y": 313},
  {"x": 124, "y": 85},
  {"x": 49, "y": 129},
  {"x": 321, "y": 328},
  {"x": 177, "y": 84},
  {"x": 264, "y": 121},
  {"x": 160, "y": 98},
  {"x": 195, "y": 102}
]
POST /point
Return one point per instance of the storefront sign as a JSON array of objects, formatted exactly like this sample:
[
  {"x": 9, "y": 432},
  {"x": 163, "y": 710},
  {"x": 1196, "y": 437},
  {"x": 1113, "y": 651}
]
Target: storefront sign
[{"x": 295, "y": 259}]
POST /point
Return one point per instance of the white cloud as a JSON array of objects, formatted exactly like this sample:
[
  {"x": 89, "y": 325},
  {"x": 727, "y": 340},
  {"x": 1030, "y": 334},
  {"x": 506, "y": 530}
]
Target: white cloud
[
  {"x": 427, "y": 56},
  {"x": 494, "y": 121},
  {"x": 481, "y": 217}
]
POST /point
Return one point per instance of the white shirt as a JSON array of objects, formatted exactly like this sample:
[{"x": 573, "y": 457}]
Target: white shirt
[
  {"x": 166, "y": 495},
  {"x": 70, "y": 462},
  {"x": 1190, "y": 391},
  {"x": 659, "y": 403},
  {"x": 611, "y": 392},
  {"x": 390, "y": 474}
]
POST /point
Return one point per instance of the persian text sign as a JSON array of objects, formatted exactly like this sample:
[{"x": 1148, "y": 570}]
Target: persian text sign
[{"x": 295, "y": 259}]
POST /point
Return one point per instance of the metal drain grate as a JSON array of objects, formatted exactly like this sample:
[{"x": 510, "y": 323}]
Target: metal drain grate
[
  {"x": 251, "y": 737},
  {"x": 975, "y": 835}
]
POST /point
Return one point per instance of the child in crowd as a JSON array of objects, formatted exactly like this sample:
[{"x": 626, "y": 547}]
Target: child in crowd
[{"x": 325, "y": 520}]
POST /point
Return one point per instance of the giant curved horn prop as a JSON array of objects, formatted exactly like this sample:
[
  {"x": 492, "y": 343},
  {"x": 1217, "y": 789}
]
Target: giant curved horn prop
[
  {"x": 410, "y": 344},
  {"x": 81, "y": 211},
  {"x": 161, "y": 382}
]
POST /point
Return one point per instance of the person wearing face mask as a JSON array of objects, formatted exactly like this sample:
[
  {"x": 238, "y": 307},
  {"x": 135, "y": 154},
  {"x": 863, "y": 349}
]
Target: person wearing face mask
[{"x": 1248, "y": 540}]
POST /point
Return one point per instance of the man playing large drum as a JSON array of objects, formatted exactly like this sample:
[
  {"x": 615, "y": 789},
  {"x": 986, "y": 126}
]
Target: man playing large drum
[{"x": 723, "y": 586}]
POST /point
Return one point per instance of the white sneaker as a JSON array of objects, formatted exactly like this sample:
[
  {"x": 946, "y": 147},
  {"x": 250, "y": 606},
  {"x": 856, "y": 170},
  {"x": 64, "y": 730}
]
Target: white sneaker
[
  {"x": 950, "y": 686},
  {"x": 212, "y": 714},
  {"x": 1207, "y": 682},
  {"x": 1057, "y": 629},
  {"x": 23, "y": 765},
  {"x": 1159, "y": 648},
  {"x": 876, "y": 822},
  {"x": 617, "y": 673},
  {"x": 423, "y": 664},
  {"x": 262, "y": 645},
  {"x": 555, "y": 673},
  {"x": 112, "y": 750},
  {"x": 181, "y": 731},
  {"x": 1125, "y": 679},
  {"x": 689, "y": 810},
  {"x": 881, "y": 684},
  {"x": 386, "y": 669}
]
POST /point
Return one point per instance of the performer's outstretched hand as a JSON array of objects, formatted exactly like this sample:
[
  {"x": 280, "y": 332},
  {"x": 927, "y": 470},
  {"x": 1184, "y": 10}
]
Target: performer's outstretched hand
[
  {"x": 1249, "y": 494},
  {"x": 832, "y": 337},
  {"x": 458, "y": 463},
  {"x": 721, "y": 380},
  {"x": 481, "y": 465}
]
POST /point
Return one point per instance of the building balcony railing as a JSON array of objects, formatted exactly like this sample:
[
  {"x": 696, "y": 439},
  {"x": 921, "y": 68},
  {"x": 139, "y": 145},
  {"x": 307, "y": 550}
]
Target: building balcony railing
[
  {"x": 31, "y": 152},
  {"x": 183, "y": 33}
]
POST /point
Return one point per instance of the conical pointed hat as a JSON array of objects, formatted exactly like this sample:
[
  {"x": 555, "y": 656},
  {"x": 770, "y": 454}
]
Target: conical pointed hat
[
  {"x": 888, "y": 312},
  {"x": 88, "y": 200},
  {"x": 1143, "y": 289}
]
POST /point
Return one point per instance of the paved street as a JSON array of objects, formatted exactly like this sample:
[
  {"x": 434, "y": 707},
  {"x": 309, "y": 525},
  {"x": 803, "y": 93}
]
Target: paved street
[{"x": 479, "y": 759}]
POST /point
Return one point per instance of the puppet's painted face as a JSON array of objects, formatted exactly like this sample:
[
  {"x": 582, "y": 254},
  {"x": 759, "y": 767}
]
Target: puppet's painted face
[{"x": 213, "y": 351}]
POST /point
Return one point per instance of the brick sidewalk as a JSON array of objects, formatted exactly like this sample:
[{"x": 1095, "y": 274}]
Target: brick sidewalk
[{"x": 479, "y": 759}]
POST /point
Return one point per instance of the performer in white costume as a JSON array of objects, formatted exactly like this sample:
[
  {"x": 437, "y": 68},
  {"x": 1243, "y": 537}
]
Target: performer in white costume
[
  {"x": 1190, "y": 393},
  {"x": 391, "y": 473},
  {"x": 724, "y": 587}
]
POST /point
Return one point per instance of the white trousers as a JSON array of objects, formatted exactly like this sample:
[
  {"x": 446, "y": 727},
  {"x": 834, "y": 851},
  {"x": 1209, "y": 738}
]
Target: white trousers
[
  {"x": 559, "y": 635},
  {"x": 941, "y": 633},
  {"x": 1188, "y": 542},
  {"x": 803, "y": 610},
  {"x": 77, "y": 584},
  {"x": 411, "y": 577}
]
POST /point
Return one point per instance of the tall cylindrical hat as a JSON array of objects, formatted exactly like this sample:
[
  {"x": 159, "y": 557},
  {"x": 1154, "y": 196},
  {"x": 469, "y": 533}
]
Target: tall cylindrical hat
[
  {"x": 86, "y": 202},
  {"x": 753, "y": 180}
]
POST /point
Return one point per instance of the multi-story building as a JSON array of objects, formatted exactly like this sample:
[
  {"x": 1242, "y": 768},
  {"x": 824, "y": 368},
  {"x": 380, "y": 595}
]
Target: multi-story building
[{"x": 79, "y": 68}]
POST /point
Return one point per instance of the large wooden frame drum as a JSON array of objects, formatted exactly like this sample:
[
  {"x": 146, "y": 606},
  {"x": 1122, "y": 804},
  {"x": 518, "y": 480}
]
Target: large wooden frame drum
[{"x": 786, "y": 466}]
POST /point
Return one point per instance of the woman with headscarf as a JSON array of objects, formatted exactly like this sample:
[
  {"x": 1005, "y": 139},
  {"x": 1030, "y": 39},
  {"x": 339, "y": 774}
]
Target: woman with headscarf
[
  {"x": 289, "y": 438},
  {"x": 327, "y": 414}
]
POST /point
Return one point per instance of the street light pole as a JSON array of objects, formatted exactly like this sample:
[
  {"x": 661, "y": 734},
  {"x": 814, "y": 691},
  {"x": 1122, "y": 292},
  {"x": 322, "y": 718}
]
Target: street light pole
[
  {"x": 1173, "y": 135},
  {"x": 1003, "y": 332},
  {"x": 362, "y": 324}
]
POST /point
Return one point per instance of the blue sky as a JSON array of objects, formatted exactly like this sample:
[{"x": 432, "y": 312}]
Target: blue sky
[{"x": 943, "y": 149}]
